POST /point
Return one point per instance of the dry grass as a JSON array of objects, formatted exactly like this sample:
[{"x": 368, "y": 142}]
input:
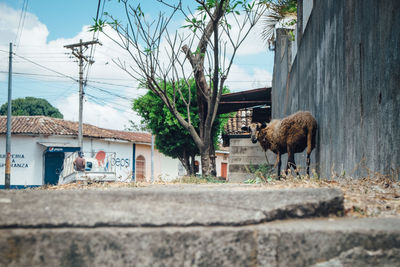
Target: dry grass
[{"x": 369, "y": 197}]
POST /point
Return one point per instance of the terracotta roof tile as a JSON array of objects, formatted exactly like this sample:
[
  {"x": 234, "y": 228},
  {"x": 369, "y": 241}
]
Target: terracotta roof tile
[{"x": 52, "y": 126}]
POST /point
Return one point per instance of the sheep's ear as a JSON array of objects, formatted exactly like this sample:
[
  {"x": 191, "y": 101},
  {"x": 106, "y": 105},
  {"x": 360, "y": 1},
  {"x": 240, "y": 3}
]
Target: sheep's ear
[
  {"x": 246, "y": 128},
  {"x": 263, "y": 125}
]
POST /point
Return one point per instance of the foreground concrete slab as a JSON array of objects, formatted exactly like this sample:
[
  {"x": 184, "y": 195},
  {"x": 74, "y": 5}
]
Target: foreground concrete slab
[
  {"x": 190, "y": 225},
  {"x": 164, "y": 205},
  {"x": 306, "y": 242}
]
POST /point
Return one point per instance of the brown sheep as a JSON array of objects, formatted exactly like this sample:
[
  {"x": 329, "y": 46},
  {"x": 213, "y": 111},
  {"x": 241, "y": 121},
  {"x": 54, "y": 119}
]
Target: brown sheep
[{"x": 289, "y": 135}]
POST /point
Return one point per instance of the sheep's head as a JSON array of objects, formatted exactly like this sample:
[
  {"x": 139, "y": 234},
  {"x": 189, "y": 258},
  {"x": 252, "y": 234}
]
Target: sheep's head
[{"x": 254, "y": 129}]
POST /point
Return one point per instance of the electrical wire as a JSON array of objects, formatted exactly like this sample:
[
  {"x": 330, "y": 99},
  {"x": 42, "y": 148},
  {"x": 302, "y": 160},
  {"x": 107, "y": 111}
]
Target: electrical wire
[
  {"x": 110, "y": 93},
  {"x": 21, "y": 24},
  {"x": 95, "y": 36},
  {"x": 46, "y": 68}
]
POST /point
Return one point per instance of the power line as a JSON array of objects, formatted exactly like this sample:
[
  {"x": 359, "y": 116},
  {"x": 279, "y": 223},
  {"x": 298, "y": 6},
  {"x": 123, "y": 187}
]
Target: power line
[
  {"x": 113, "y": 105},
  {"x": 95, "y": 37},
  {"x": 75, "y": 80},
  {"x": 21, "y": 23},
  {"x": 110, "y": 93},
  {"x": 36, "y": 74},
  {"x": 46, "y": 68},
  {"x": 113, "y": 84}
]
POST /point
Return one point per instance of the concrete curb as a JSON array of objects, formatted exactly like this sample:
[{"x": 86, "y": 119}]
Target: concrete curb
[
  {"x": 164, "y": 206},
  {"x": 323, "y": 242}
]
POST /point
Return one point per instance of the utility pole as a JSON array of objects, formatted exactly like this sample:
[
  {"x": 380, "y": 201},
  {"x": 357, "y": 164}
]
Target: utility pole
[
  {"x": 152, "y": 158},
  {"x": 77, "y": 51},
  {"x": 7, "y": 174}
]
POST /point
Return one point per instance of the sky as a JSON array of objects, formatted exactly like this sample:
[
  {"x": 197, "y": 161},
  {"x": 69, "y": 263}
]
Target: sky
[{"x": 43, "y": 68}]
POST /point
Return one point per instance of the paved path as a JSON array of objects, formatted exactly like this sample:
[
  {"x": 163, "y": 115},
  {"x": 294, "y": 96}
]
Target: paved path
[
  {"x": 186, "y": 225},
  {"x": 164, "y": 205}
]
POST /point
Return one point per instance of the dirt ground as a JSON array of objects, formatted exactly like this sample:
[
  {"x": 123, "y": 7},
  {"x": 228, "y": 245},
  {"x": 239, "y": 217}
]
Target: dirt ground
[{"x": 368, "y": 197}]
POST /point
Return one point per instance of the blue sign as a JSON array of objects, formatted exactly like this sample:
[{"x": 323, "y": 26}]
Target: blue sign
[{"x": 53, "y": 149}]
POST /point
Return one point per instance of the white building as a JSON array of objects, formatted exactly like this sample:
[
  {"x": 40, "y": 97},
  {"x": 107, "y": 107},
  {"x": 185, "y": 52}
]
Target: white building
[{"x": 39, "y": 145}]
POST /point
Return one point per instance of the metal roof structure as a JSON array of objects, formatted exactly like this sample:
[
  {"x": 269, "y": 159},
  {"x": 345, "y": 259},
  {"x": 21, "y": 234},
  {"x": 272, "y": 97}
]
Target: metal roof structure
[{"x": 240, "y": 100}]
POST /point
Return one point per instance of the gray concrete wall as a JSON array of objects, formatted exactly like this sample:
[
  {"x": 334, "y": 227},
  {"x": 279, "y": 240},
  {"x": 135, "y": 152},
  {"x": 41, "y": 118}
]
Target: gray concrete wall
[
  {"x": 347, "y": 73},
  {"x": 243, "y": 154}
]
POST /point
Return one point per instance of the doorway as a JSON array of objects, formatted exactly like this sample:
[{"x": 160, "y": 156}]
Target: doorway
[
  {"x": 224, "y": 170},
  {"x": 53, "y": 162}
]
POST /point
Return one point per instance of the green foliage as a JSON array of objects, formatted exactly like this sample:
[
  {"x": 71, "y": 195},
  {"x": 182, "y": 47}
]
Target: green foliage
[
  {"x": 262, "y": 173},
  {"x": 231, "y": 7},
  {"x": 199, "y": 180},
  {"x": 135, "y": 127},
  {"x": 278, "y": 10},
  {"x": 172, "y": 139},
  {"x": 31, "y": 106}
]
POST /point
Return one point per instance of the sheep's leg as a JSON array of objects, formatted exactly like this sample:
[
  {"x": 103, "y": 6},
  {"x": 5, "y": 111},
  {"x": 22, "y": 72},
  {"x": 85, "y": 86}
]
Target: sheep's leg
[
  {"x": 295, "y": 166},
  {"x": 291, "y": 162},
  {"x": 278, "y": 161},
  {"x": 288, "y": 162},
  {"x": 310, "y": 146}
]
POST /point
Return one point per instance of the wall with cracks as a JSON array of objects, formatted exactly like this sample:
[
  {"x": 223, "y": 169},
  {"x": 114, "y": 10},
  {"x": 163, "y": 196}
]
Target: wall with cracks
[
  {"x": 347, "y": 73},
  {"x": 291, "y": 243},
  {"x": 189, "y": 225}
]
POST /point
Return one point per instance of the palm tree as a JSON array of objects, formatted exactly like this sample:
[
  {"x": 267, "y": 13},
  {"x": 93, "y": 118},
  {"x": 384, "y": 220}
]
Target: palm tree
[{"x": 279, "y": 11}]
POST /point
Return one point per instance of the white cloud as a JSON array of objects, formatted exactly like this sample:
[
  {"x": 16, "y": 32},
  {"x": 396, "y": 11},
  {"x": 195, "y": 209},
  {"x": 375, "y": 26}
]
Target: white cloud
[
  {"x": 105, "y": 116},
  {"x": 241, "y": 78},
  {"x": 100, "y": 109},
  {"x": 104, "y": 110}
]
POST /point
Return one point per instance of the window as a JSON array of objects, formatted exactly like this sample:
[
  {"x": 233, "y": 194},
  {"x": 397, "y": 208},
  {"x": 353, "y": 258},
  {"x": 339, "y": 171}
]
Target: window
[{"x": 140, "y": 169}]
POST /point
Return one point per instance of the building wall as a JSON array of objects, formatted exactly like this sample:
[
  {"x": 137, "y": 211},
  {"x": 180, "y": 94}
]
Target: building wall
[
  {"x": 123, "y": 155},
  {"x": 221, "y": 157},
  {"x": 169, "y": 167},
  {"x": 28, "y": 158},
  {"x": 347, "y": 73},
  {"x": 165, "y": 168},
  {"x": 26, "y": 161}
]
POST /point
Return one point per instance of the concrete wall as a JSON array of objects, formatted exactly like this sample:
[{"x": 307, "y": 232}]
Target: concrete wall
[
  {"x": 243, "y": 154},
  {"x": 347, "y": 73},
  {"x": 307, "y": 8}
]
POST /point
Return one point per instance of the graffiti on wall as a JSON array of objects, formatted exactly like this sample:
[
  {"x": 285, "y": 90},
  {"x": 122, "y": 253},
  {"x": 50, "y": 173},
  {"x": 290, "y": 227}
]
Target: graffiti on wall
[
  {"x": 116, "y": 161},
  {"x": 121, "y": 162},
  {"x": 17, "y": 161}
]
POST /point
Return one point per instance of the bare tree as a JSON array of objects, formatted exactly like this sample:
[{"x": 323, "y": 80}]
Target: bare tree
[{"x": 203, "y": 49}]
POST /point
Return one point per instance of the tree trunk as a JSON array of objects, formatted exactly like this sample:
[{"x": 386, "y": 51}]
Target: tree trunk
[
  {"x": 185, "y": 160},
  {"x": 205, "y": 161},
  {"x": 213, "y": 168},
  {"x": 192, "y": 165},
  {"x": 187, "y": 165}
]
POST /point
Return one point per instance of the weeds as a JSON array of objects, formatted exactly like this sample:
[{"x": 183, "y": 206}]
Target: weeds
[
  {"x": 198, "y": 180},
  {"x": 262, "y": 173}
]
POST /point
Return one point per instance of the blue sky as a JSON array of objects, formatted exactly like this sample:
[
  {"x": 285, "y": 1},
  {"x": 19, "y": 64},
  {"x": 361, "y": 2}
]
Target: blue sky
[{"x": 49, "y": 25}]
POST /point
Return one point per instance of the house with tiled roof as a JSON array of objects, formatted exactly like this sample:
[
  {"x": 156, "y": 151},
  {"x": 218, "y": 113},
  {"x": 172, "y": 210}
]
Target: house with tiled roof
[{"x": 40, "y": 144}]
